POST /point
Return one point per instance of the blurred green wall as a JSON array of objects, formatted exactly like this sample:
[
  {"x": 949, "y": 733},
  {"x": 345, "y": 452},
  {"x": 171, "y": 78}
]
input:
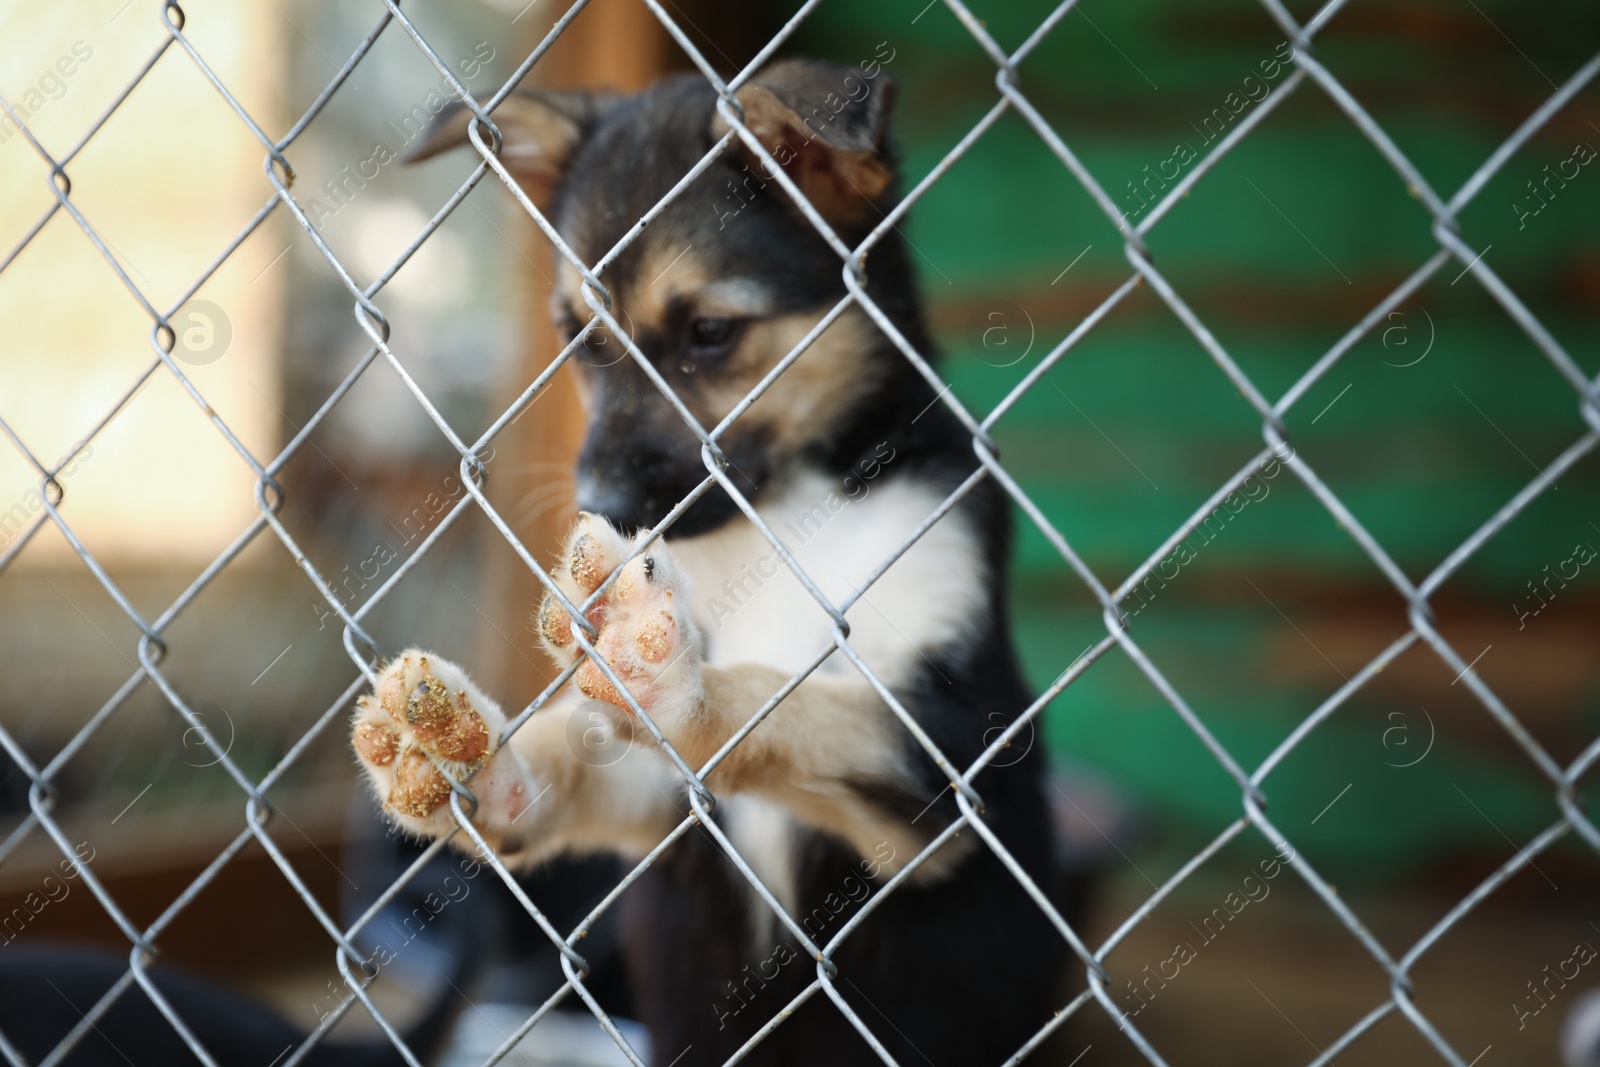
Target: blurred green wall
[{"x": 1424, "y": 429}]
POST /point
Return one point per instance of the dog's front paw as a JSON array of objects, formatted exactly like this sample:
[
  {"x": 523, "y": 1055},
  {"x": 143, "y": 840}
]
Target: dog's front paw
[
  {"x": 424, "y": 706},
  {"x": 644, "y": 632}
]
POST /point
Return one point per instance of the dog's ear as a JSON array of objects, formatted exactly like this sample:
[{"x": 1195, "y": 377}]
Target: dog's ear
[
  {"x": 541, "y": 130},
  {"x": 825, "y": 126}
]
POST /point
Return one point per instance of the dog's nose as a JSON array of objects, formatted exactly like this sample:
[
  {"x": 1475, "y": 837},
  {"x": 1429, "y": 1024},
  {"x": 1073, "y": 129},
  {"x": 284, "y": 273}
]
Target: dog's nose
[{"x": 620, "y": 503}]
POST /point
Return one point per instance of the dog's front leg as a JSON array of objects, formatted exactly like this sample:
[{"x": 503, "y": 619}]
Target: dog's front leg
[
  {"x": 567, "y": 780},
  {"x": 829, "y": 753}
]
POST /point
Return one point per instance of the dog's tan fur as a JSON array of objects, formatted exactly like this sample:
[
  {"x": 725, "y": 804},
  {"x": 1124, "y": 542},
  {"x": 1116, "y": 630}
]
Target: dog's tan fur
[{"x": 544, "y": 796}]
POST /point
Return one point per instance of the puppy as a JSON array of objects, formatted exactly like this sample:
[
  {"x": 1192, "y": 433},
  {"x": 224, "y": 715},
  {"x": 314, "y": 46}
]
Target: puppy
[{"x": 843, "y": 457}]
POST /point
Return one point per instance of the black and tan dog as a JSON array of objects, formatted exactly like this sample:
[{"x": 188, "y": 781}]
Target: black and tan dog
[{"x": 844, "y": 456}]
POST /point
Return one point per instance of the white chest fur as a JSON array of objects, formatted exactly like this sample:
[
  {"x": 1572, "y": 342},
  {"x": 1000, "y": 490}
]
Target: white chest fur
[{"x": 752, "y": 609}]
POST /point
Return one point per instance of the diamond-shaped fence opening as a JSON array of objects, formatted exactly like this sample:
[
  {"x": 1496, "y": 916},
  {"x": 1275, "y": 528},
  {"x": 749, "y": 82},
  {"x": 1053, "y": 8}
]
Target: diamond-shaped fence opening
[{"x": 383, "y": 362}]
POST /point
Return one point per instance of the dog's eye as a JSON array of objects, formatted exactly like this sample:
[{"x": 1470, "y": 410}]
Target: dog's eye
[
  {"x": 712, "y": 336},
  {"x": 567, "y": 326}
]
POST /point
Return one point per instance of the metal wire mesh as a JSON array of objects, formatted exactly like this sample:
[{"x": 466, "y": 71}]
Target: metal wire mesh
[{"x": 365, "y": 653}]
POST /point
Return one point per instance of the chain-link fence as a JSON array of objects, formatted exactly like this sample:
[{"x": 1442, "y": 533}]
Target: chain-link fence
[{"x": 1278, "y": 417}]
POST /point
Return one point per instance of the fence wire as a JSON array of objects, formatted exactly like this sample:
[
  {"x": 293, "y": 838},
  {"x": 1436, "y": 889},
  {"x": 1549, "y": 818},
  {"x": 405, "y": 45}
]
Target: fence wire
[{"x": 365, "y": 653}]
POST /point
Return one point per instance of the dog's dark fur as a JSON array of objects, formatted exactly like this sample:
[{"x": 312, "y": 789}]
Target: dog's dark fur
[{"x": 957, "y": 966}]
